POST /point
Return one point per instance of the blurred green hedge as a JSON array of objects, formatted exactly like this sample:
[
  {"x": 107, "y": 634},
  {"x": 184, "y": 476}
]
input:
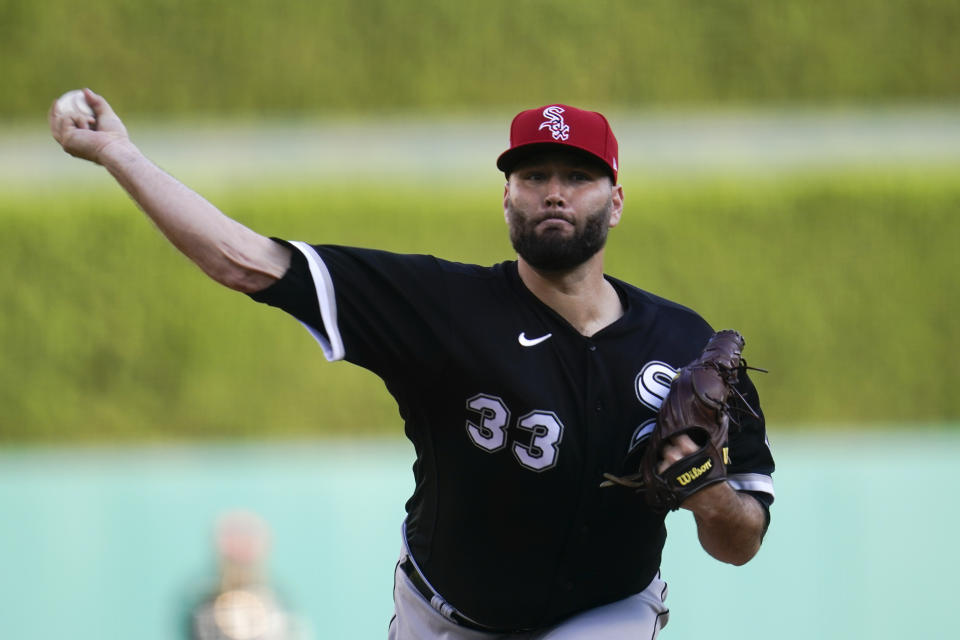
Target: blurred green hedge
[
  {"x": 845, "y": 287},
  {"x": 298, "y": 57}
]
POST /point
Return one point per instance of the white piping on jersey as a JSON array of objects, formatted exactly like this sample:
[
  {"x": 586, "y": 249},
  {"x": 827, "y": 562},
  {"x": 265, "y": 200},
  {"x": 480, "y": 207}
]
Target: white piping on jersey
[
  {"x": 752, "y": 482},
  {"x": 332, "y": 343},
  {"x": 437, "y": 602}
]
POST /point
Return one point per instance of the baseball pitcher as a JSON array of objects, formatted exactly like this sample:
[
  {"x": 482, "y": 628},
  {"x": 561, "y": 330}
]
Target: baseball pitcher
[{"x": 558, "y": 413}]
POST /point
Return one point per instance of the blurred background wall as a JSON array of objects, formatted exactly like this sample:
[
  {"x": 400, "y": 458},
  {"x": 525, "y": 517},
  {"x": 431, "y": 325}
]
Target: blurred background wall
[
  {"x": 791, "y": 169},
  {"x": 247, "y": 57}
]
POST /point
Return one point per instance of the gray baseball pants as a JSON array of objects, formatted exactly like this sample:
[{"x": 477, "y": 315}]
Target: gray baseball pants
[{"x": 638, "y": 617}]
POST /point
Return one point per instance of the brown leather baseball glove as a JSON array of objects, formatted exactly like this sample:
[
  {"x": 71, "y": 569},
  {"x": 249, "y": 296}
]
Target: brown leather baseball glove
[{"x": 697, "y": 405}]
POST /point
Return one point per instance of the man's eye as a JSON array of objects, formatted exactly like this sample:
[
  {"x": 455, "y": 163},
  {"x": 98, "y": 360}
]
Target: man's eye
[{"x": 579, "y": 176}]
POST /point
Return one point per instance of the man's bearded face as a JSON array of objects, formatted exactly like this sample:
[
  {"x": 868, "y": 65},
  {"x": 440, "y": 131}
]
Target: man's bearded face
[{"x": 551, "y": 249}]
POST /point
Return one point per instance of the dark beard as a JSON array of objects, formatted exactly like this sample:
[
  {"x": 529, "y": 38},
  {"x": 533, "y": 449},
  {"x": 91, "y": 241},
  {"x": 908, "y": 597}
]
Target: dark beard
[{"x": 553, "y": 252}]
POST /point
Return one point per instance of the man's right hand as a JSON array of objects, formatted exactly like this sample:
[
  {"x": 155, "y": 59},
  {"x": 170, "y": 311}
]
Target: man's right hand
[
  {"x": 83, "y": 139},
  {"x": 224, "y": 249}
]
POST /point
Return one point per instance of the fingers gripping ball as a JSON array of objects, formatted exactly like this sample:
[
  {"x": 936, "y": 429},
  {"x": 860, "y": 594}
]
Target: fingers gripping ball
[
  {"x": 74, "y": 105},
  {"x": 696, "y": 406}
]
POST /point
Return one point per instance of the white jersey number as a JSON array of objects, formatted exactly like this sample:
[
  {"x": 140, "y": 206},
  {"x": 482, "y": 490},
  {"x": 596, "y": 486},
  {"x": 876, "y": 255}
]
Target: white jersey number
[
  {"x": 489, "y": 432},
  {"x": 545, "y": 432}
]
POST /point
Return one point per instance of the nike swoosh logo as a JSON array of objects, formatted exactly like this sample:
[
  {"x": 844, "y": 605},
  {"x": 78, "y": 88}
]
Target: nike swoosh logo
[{"x": 531, "y": 342}]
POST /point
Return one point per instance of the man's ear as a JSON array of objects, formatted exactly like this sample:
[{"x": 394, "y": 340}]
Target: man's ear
[
  {"x": 616, "y": 210},
  {"x": 506, "y": 201}
]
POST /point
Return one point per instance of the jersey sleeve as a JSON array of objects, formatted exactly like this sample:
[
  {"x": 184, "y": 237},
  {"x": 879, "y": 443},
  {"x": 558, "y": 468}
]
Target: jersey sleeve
[
  {"x": 751, "y": 461},
  {"x": 380, "y": 310}
]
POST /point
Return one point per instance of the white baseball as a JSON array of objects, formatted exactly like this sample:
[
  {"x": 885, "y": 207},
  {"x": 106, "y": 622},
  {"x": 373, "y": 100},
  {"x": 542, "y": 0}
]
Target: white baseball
[{"x": 74, "y": 103}]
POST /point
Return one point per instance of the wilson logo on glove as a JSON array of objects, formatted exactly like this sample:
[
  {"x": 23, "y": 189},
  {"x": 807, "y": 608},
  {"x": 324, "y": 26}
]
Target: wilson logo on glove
[{"x": 686, "y": 478}]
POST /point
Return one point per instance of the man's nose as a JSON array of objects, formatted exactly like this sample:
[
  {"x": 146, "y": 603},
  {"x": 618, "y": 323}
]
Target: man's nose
[{"x": 555, "y": 196}]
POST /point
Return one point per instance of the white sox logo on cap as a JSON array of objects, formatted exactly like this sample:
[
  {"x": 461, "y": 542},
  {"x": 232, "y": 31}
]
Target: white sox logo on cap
[{"x": 559, "y": 129}]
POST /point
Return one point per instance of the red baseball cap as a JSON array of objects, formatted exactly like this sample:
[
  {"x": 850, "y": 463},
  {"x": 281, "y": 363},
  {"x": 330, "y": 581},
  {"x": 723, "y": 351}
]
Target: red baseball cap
[{"x": 559, "y": 124}]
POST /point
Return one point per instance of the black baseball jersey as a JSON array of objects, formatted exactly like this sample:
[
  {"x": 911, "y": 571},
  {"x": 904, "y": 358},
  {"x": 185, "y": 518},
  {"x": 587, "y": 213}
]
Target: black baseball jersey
[{"x": 514, "y": 416}]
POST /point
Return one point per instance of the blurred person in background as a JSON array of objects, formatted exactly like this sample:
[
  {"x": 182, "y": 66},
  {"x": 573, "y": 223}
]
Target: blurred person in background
[{"x": 242, "y": 605}]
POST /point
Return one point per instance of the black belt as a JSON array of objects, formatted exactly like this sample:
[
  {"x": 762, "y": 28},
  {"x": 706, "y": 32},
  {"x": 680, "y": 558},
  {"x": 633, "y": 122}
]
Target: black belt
[{"x": 429, "y": 594}]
